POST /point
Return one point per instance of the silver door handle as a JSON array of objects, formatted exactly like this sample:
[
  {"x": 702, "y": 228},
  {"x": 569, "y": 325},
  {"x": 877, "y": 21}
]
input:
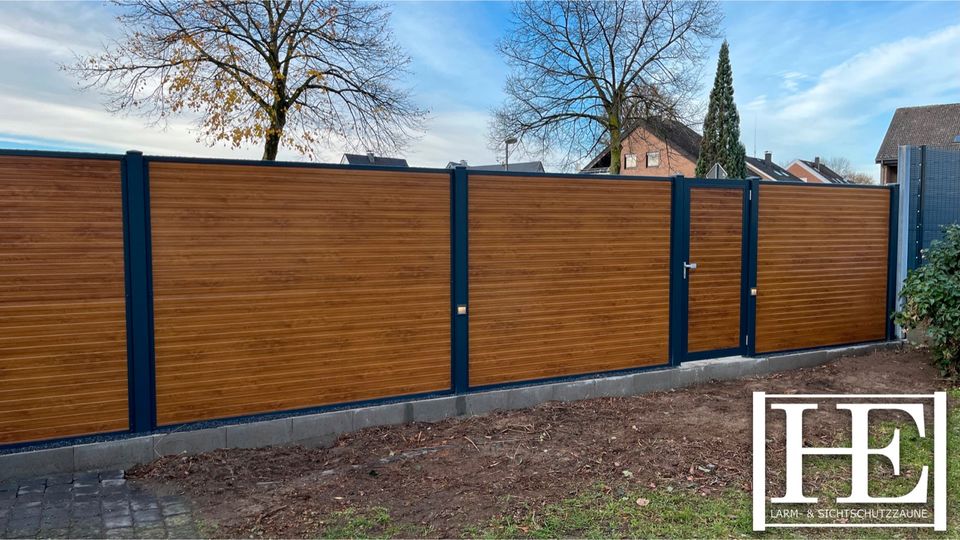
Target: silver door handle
[{"x": 688, "y": 266}]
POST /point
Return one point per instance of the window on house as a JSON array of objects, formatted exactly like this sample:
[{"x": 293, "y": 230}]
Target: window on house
[
  {"x": 630, "y": 161},
  {"x": 653, "y": 159}
]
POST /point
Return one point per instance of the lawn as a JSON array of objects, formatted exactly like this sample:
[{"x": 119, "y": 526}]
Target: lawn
[
  {"x": 669, "y": 464},
  {"x": 672, "y": 514}
]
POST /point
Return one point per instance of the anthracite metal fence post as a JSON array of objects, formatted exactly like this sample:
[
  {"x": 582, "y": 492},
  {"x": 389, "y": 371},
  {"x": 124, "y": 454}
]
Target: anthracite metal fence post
[
  {"x": 678, "y": 232},
  {"x": 753, "y": 238},
  {"x": 460, "y": 324},
  {"x": 892, "y": 250},
  {"x": 138, "y": 276}
]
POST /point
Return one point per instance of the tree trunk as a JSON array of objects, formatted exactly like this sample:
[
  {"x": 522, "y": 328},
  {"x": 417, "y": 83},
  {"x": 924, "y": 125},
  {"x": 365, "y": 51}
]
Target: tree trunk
[
  {"x": 271, "y": 143},
  {"x": 271, "y": 146},
  {"x": 616, "y": 145}
]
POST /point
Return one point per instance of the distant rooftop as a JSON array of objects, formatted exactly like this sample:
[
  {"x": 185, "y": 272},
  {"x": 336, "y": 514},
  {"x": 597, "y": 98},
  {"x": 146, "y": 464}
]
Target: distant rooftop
[
  {"x": 821, "y": 168},
  {"x": 931, "y": 125},
  {"x": 524, "y": 166},
  {"x": 370, "y": 159},
  {"x": 771, "y": 169}
]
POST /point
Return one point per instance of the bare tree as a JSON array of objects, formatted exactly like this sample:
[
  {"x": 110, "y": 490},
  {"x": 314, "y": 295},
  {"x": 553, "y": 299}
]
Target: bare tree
[
  {"x": 583, "y": 72},
  {"x": 844, "y": 168},
  {"x": 292, "y": 72}
]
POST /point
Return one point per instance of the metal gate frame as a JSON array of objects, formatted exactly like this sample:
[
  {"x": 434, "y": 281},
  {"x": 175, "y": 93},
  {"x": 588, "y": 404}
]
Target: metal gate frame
[{"x": 680, "y": 291}]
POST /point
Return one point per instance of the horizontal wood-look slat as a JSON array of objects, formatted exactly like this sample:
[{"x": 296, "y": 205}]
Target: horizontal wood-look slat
[
  {"x": 280, "y": 288},
  {"x": 716, "y": 233},
  {"x": 63, "y": 358},
  {"x": 821, "y": 266},
  {"x": 566, "y": 276}
]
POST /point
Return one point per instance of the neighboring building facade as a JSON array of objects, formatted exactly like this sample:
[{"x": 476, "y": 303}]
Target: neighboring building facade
[
  {"x": 815, "y": 172},
  {"x": 766, "y": 169},
  {"x": 370, "y": 159},
  {"x": 930, "y": 125},
  {"x": 523, "y": 166},
  {"x": 654, "y": 148}
]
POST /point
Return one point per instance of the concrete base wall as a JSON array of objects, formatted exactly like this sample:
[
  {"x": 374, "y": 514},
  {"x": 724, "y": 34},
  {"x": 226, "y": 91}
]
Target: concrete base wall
[{"x": 324, "y": 428}]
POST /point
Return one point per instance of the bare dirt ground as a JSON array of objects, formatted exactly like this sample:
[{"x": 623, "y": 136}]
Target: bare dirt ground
[{"x": 441, "y": 477}]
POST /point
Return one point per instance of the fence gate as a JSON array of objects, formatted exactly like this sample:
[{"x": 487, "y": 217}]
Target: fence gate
[{"x": 714, "y": 268}]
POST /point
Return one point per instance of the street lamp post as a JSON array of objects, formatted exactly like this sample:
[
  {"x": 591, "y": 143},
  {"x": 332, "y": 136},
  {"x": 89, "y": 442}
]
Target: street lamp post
[{"x": 506, "y": 157}]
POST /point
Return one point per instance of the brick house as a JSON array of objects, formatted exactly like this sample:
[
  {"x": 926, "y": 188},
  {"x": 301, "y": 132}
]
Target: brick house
[
  {"x": 654, "y": 148},
  {"x": 930, "y": 125},
  {"x": 815, "y": 172}
]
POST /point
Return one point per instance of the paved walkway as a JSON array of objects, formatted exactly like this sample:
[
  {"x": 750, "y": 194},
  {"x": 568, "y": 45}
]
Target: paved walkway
[{"x": 90, "y": 505}]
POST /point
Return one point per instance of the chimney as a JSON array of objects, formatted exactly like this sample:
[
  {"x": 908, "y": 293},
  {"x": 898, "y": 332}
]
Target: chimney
[
  {"x": 373, "y": 159},
  {"x": 767, "y": 158},
  {"x": 463, "y": 162},
  {"x": 816, "y": 163}
]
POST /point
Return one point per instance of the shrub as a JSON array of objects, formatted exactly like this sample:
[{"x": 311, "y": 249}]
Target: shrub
[{"x": 931, "y": 297}]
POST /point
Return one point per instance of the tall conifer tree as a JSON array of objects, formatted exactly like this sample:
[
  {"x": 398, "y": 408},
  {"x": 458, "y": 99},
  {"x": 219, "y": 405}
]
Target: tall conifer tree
[{"x": 721, "y": 128}]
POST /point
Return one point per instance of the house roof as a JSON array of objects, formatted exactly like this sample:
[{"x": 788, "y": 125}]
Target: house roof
[
  {"x": 672, "y": 132},
  {"x": 821, "y": 170},
  {"x": 932, "y": 125},
  {"x": 370, "y": 159},
  {"x": 524, "y": 166},
  {"x": 770, "y": 170}
]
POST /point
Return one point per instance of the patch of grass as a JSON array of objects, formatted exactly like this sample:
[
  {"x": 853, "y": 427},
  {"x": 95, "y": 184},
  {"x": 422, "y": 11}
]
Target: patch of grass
[
  {"x": 206, "y": 528},
  {"x": 597, "y": 514},
  {"x": 602, "y": 512},
  {"x": 915, "y": 452},
  {"x": 372, "y": 522}
]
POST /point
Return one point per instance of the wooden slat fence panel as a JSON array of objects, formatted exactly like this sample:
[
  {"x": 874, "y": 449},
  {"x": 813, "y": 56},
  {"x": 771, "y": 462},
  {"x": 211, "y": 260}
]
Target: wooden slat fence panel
[
  {"x": 280, "y": 288},
  {"x": 63, "y": 351},
  {"x": 821, "y": 266},
  {"x": 567, "y": 276},
  {"x": 716, "y": 233}
]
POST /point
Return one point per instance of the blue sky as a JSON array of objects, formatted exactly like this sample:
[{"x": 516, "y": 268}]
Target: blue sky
[{"x": 811, "y": 79}]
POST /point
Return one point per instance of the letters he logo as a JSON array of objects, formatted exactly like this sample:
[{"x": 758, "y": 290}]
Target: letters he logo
[{"x": 794, "y": 406}]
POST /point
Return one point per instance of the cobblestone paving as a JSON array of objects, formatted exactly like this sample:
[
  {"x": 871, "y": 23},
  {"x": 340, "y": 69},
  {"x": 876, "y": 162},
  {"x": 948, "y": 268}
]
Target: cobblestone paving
[{"x": 90, "y": 505}]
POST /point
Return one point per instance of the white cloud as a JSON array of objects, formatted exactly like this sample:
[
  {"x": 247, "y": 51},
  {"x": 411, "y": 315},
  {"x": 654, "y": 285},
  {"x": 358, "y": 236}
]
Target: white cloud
[
  {"x": 792, "y": 79},
  {"x": 13, "y": 39},
  {"x": 453, "y": 136},
  {"x": 452, "y": 58},
  {"x": 839, "y": 113},
  {"x": 38, "y": 102},
  {"x": 55, "y": 29},
  {"x": 89, "y": 126},
  {"x": 756, "y": 104},
  {"x": 912, "y": 68}
]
